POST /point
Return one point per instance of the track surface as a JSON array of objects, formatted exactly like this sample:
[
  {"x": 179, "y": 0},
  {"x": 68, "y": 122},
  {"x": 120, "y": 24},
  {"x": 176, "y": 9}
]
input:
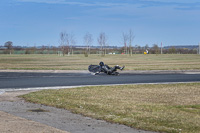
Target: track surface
[{"x": 22, "y": 80}]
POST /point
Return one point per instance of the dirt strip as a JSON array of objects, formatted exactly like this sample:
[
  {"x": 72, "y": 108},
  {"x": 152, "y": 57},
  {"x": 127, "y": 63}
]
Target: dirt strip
[{"x": 12, "y": 124}]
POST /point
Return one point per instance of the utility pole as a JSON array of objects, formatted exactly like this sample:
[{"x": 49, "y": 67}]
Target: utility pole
[{"x": 161, "y": 47}]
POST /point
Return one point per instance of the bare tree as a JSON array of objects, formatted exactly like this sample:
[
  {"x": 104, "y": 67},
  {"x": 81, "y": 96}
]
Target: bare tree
[
  {"x": 128, "y": 40},
  {"x": 67, "y": 42},
  {"x": 102, "y": 40},
  {"x": 63, "y": 41},
  {"x": 131, "y": 38},
  {"x": 125, "y": 40},
  {"x": 88, "y": 41},
  {"x": 72, "y": 42},
  {"x": 9, "y": 46}
]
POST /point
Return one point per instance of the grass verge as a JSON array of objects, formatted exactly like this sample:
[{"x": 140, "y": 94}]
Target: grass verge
[{"x": 163, "y": 107}]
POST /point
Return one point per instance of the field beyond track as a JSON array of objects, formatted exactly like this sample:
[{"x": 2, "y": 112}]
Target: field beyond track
[
  {"x": 79, "y": 62},
  {"x": 173, "y": 108}
]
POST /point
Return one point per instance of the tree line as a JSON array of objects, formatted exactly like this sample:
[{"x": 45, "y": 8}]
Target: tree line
[
  {"x": 67, "y": 46},
  {"x": 67, "y": 41}
]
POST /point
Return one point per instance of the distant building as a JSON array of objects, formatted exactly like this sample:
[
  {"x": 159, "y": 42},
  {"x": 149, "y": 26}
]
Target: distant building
[{"x": 182, "y": 47}]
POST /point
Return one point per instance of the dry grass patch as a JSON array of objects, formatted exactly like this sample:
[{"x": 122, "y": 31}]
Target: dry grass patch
[
  {"x": 164, "y": 108},
  {"x": 79, "y": 62}
]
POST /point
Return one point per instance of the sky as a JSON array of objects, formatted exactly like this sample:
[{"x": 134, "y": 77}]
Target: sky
[{"x": 40, "y": 22}]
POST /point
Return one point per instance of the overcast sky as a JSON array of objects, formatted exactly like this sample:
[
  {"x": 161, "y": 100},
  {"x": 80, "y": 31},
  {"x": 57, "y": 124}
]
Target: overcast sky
[{"x": 39, "y": 22}]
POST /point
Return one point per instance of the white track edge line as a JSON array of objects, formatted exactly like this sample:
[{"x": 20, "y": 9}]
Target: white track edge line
[{"x": 67, "y": 87}]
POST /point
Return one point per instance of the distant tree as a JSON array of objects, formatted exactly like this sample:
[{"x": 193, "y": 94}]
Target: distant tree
[
  {"x": 155, "y": 49},
  {"x": 88, "y": 41},
  {"x": 67, "y": 41},
  {"x": 63, "y": 41},
  {"x": 72, "y": 43},
  {"x": 102, "y": 40},
  {"x": 131, "y": 38},
  {"x": 146, "y": 46},
  {"x": 32, "y": 50},
  {"x": 125, "y": 39},
  {"x": 172, "y": 50},
  {"x": 55, "y": 49},
  {"x": 179, "y": 51},
  {"x": 139, "y": 48},
  {"x": 136, "y": 48},
  {"x": 9, "y": 46}
]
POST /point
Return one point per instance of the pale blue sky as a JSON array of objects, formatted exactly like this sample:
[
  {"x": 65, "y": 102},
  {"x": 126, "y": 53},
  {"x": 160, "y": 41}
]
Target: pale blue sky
[{"x": 39, "y": 22}]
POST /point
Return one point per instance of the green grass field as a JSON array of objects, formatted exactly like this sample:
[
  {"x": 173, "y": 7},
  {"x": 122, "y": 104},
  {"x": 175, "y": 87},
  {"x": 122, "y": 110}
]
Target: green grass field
[
  {"x": 173, "y": 108},
  {"x": 79, "y": 62}
]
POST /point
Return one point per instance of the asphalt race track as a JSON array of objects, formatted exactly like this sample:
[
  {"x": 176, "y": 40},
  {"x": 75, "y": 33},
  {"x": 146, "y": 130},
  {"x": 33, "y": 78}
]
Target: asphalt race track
[{"x": 16, "y": 80}]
